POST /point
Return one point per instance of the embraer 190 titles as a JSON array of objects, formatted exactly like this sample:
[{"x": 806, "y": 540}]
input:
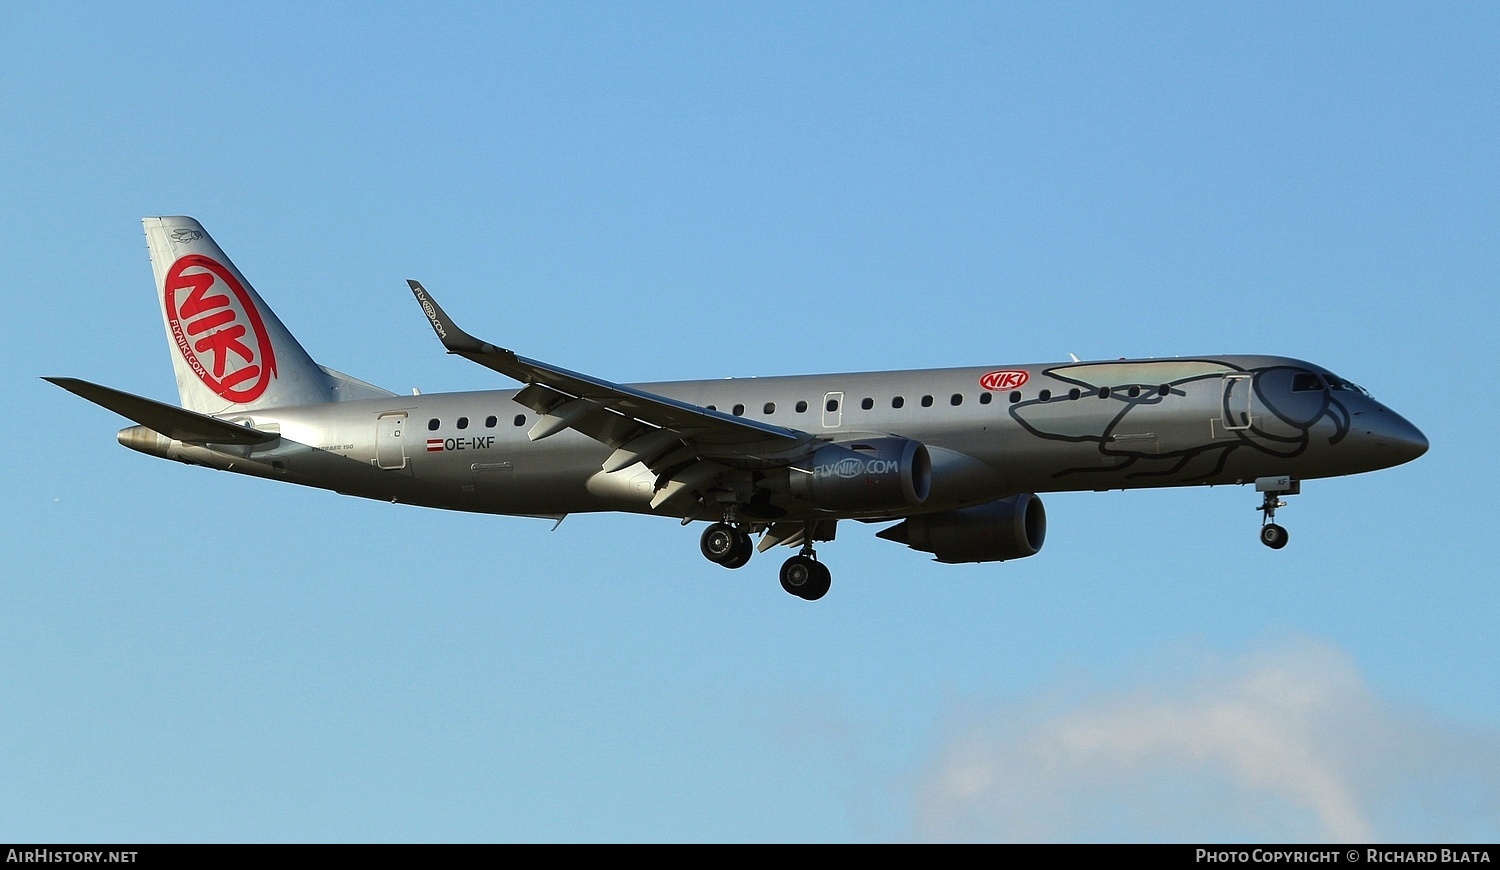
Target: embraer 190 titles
[{"x": 952, "y": 458}]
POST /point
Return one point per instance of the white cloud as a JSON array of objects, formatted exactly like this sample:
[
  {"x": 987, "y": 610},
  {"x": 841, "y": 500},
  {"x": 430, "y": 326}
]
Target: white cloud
[{"x": 1286, "y": 745}]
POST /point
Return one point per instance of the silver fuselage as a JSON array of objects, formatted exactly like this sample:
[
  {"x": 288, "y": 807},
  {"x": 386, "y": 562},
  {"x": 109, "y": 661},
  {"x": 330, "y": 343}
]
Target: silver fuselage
[{"x": 1069, "y": 427}]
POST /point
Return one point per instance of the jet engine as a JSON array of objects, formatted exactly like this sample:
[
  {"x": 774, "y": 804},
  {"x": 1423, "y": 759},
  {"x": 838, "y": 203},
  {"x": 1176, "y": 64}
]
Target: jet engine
[
  {"x": 1010, "y": 528},
  {"x": 872, "y": 474}
]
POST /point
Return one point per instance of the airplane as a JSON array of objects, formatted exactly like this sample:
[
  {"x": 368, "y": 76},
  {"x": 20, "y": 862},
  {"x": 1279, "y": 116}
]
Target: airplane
[{"x": 953, "y": 459}]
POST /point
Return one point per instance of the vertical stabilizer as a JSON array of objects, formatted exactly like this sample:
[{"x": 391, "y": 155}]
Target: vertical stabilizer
[{"x": 229, "y": 350}]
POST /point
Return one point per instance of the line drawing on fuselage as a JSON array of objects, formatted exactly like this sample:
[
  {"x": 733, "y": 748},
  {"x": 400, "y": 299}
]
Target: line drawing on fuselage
[
  {"x": 1139, "y": 387},
  {"x": 952, "y": 459}
]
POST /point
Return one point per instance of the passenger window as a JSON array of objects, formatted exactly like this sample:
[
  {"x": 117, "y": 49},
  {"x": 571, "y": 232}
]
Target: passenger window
[
  {"x": 958, "y": 399},
  {"x": 927, "y": 401},
  {"x": 801, "y": 407},
  {"x": 898, "y": 401},
  {"x": 739, "y": 410},
  {"x": 520, "y": 419},
  {"x": 833, "y": 405},
  {"x": 1015, "y": 397},
  {"x": 1104, "y": 392},
  {"x": 770, "y": 408},
  {"x": 1074, "y": 393},
  {"x": 1163, "y": 390},
  {"x": 489, "y": 422},
  {"x": 712, "y": 407},
  {"x": 867, "y": 404},
  {"x": 1135, "y": 391},
  {"x": 433, "y": 424},
  {"x": 986, "y": 398},
  {"x": 1045, "y": 395},
  {"x": 463, "y": 422}
]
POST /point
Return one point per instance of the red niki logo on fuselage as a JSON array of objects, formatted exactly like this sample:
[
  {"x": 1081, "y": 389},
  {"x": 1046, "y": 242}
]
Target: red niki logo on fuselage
[
  {"x": 218, "y": 330},
  {"x": 1006, "y": 380}
]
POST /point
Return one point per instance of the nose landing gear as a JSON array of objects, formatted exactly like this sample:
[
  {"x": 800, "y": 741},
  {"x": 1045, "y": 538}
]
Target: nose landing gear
[{"x": 1271, "y": 534}]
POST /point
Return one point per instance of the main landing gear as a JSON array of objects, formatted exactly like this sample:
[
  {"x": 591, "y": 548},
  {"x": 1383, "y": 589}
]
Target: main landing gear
[
  {"x": 726, "y": 545},
  {"x": 805, "y": 577},
  {"x": 1272, "y": 535},
  {"x": 802, "y": 575}
]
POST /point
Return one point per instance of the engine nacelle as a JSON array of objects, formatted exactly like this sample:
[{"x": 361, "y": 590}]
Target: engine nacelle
[
  {"x": 1010, "y": 528},
  {"x": 870, "y": 474}
]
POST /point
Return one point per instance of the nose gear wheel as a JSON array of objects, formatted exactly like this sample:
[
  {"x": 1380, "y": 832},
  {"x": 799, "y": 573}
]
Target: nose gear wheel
[{"x": 1271, "y": 534}]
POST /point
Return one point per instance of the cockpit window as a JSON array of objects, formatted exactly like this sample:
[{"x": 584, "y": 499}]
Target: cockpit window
[
  {"x": 1338, "y": 383},
  {"x": 1306, "y": 381}
]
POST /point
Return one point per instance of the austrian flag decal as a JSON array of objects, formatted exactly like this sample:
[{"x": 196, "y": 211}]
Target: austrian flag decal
[
  {"x": 217, "y": 329},
  {"x": 434, "y": 445}
]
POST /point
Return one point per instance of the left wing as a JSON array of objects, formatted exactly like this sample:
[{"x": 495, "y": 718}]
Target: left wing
[{"x": 691, "y": 448}]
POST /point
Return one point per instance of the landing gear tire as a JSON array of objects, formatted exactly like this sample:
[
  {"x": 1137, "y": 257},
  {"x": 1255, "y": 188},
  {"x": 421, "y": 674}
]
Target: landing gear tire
[
  {"x": 821, "y": 583},
  {"x": 718, "y": 542},
  {"x": 725, "y": 545},
  {"x": 806, "y": 577},
  {"x": 743, "y": 548},
  {"x": 1273, "y": 536}
]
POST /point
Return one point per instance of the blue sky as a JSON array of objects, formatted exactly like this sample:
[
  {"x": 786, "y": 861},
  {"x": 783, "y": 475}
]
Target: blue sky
[{"x": 664, "y": 191}]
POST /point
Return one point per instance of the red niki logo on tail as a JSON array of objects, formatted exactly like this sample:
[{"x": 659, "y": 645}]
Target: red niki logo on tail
[{"x": 219, "y": 333}]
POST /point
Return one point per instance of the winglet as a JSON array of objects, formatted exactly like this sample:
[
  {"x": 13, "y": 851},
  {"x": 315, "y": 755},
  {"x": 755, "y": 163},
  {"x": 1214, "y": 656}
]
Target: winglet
[{"x": 453, "y": 338}]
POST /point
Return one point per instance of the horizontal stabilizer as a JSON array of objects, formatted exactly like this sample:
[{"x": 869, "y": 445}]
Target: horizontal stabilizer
[{"x": 175, "y": 423}]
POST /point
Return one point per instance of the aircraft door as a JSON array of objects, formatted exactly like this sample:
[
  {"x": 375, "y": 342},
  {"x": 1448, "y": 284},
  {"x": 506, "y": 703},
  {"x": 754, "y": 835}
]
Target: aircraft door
[
  {"x": 833, "y": 410},
  {"x": 390, "y": 449},
  {"x": 1235, "y": 409}
]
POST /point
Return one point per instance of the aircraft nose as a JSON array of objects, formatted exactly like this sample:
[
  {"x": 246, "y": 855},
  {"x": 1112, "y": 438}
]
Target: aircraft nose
[{"x": 1397, "y": 440}]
